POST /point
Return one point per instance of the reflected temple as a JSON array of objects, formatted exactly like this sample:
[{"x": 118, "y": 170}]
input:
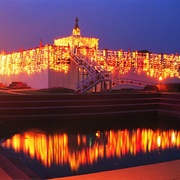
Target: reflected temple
[{"x": 81, "y": 149}]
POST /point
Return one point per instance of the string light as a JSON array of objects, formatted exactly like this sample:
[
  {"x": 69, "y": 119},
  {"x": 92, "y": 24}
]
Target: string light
[{"x": 57, "y": 57}]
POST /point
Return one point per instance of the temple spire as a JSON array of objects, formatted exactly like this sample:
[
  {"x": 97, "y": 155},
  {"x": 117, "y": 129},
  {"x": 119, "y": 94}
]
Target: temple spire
[
  {"x": 76, "y": 25},
  {"x": 76, "y": 31}
]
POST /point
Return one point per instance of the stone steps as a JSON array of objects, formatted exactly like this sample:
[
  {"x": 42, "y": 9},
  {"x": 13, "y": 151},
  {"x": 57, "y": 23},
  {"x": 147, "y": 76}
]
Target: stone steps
[
  {"x": 54, "y": 103},
  {"x": 135, "y": 105},
  {"x": 54, "y": 97},
  {"x": 76, "y": 109},
  {"x": 169, "y": 105}
]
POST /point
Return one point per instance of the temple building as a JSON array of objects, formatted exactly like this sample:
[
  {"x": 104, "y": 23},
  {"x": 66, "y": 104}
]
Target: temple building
[
  {"x": 76, "y": 40},
  {"x": 76, "y": 62}
]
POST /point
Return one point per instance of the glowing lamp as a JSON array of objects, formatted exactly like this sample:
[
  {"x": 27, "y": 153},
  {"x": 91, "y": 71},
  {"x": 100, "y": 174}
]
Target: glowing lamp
[{"x": 160, "y": 78}]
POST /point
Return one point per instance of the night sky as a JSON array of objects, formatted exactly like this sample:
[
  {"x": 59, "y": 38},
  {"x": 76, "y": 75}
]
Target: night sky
[{"x": 153, "y": 25}]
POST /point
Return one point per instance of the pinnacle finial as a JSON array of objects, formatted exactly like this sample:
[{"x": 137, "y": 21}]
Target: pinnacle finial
[
  {"x": 76, "y": 30},
  {"x": 76, "y": 25},
  {"x": 77, "y": 19}
]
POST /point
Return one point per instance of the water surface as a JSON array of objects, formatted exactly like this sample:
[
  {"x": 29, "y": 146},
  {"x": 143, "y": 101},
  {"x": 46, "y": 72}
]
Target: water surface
[{"x": 56, "y": 153}]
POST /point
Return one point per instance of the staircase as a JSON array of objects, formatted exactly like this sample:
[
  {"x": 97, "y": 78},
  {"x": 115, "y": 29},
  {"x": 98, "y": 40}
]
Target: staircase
[
  {"x": 169, "y": 105},
  {"x": 95, "y": 73}
]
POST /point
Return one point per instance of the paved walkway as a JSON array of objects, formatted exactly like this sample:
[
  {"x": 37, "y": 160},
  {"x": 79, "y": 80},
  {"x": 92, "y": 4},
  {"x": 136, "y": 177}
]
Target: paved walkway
[
  {"x": 4, "y": 175},
  {"x": 161, "y": 171},
  {"x": 9, "y": 171}
]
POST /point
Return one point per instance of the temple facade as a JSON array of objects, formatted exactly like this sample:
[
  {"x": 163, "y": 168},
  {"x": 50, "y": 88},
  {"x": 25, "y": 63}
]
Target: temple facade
[{"x": 76, "y": 62}]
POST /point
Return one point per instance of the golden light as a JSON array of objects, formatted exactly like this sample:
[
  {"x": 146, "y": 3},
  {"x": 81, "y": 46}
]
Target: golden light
[
  {"x": 173, "y": 139},
  {"x": 57, "y": 57},
  {"x": 63, "y": 149},
  {"x": 160, "y": 78},
  {"x": 97, "y": 134},
  {"x": 159, "y": 141}
]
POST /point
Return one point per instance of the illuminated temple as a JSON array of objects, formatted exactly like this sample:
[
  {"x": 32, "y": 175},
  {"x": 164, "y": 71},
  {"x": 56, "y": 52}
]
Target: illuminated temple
[{"x": 76, "y": 62}]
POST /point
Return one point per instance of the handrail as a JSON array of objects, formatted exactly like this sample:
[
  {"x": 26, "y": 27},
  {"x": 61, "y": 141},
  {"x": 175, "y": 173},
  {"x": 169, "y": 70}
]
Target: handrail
[
  {"x": 117, "y": 81},
  {"x": 96, "y": 73},
  {"x": 88, "y": 82}
]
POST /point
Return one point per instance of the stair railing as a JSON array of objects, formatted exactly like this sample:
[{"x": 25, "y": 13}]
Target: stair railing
[
  {"x": 89, "y": 82},
  {"x": 117, "y": 81},
  {"x": 96, "y": 73}
]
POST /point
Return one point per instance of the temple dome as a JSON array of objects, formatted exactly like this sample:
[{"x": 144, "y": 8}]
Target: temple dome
[{"x": 76, "y": 40}]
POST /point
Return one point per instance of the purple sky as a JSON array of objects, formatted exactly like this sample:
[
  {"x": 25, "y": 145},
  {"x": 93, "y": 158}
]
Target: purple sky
[{"x": 119, "y": 24}]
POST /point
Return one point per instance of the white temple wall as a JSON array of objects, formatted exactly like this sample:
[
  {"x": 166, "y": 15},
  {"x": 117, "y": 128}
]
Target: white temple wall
[
  {"x": 35, "y": 81},
  {"x": 38, "y": 80},
  {"x": 63, "y": 79},
  {"x": 144, "y": 77},
  {"x": 132, "y": 75},
  {"x": 140, "y": 77}
]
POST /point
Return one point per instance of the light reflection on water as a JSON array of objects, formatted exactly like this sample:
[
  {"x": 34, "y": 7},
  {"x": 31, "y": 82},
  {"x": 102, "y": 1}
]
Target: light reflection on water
[{"x": 78, "y": 150}]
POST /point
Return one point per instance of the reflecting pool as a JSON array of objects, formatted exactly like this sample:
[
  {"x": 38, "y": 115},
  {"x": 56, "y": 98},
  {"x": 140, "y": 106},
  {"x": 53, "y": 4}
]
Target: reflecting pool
[{"x": 59, "y": 154}]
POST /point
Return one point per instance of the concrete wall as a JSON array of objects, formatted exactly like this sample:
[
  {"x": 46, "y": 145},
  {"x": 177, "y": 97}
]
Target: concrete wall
[
  {"x": 141, "y": 77},
  {"x": 64, "y": 79},
  {"x": 46, "y": 79},
  {"x": 36, "y": 80},
  {"x": 131, "y": 74}
]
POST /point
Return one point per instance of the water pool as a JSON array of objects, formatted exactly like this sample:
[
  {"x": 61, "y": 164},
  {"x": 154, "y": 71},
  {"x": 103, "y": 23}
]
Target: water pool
[{"x": 53, "y": 153}]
